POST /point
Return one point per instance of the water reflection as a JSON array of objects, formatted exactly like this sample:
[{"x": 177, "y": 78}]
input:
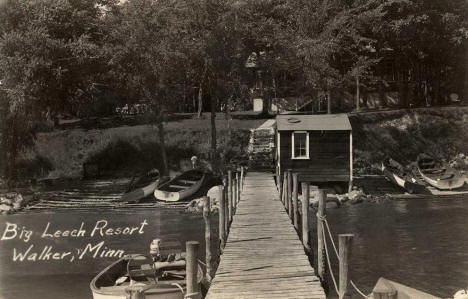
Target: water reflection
[{"x": 420, "y": 243}]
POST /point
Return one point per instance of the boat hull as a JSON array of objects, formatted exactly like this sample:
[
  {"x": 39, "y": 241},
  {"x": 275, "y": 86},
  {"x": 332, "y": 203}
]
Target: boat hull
[
  {"x": 164, "y": 192},
  {"x": 438, "y": 175},
  {"x": 140, "y": 193},
  {"x": 102, "y": 287},
  {"x": 409, "y": 186},
  {"x": 444, "y": 184}
]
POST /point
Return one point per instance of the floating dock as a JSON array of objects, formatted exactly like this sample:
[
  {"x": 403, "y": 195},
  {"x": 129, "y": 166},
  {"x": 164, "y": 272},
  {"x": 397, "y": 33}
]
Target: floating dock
[{"x": 263, "y": 256}]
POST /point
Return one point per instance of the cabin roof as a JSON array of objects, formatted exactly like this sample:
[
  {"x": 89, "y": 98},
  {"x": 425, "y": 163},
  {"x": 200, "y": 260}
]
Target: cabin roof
[{"x": 316, "y": 122}]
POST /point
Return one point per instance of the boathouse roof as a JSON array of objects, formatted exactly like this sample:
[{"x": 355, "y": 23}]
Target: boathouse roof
[{"x": 316, "y": 122}]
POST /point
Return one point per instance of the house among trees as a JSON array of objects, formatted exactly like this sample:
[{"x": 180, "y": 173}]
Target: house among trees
[{"x": 318, "y": 147}]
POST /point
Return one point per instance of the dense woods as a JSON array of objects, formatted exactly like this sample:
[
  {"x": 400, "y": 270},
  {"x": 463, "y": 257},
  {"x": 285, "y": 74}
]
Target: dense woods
[{"x": 87, "y": 57}]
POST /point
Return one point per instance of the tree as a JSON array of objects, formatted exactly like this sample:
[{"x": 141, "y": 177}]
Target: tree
[{"x": 47, "y": 53}]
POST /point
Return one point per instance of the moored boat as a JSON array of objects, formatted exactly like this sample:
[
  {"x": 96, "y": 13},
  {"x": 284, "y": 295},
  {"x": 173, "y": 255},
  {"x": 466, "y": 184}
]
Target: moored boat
[
  {"x": 181, "y": 187},
  {"x": 395, "y": 173},
  {"x": 143, "y": 187},
  {"x": 391, "y": 289},
  {"x": 142, "y": 274},
  {"x": 438, "y": 175}
]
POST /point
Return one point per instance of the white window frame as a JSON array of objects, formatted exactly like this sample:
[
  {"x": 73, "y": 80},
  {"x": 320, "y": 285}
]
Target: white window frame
[{"x": 306, "y": 157}]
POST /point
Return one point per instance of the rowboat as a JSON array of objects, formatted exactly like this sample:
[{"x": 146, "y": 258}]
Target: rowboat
[
  {"x": 181, "y": 187},
  {"x": 140, "y": 274},
  {"x": 439, "y": 175},
  {"x": 400, "y": 178},
  {"x": 398, "y": 291},
  {"x": 142, "y": 188}
]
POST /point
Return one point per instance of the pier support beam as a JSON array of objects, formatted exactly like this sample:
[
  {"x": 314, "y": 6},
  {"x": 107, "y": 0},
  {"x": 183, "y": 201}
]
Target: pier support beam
[
  {"x": 191, "y": 268},
  {"x": 305, "y": 216},
  {"x": 222, "y": 220},
  {"x": 345, "y": 242},
  {"x": 294, "y": 201},
  {"x": 230, "y": 195},
  {"x": 321, "y": 257},
  {"x": 206, "y": 217}
]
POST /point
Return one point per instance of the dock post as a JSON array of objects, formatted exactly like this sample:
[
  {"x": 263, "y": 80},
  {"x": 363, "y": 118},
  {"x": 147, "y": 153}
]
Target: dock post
[
  {"x": 230, "y": 195},
  {"x": 305, "y": 216},
  {"x": 242, "y": 178},
  {"x": 321, "y": 258},
  {"x": 226, "y": 206},
  {"x": 294, "y": 200},
  {"x": 285, "y": 187},
  {"x": 345, "y": 241},
  {"x": 206, "y": 217},
  {"x": 191, "y": 269},
  {"x": 383, "y": 290},
  {"x": 234, "y": 194},
  {"x": 280, "y": 185},
  {"x": 238, "y": 185},
  {"x": 221, "y": 210},
  {"x": 288, "y": 195}
]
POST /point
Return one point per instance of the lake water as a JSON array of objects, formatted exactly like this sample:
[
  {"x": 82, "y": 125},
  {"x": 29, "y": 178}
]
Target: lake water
[{"x": 420, "y": 243}]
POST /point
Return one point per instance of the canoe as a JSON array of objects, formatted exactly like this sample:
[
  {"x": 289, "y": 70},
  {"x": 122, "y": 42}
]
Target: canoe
[
  {"x": 181, "y": 187},
  {"x": 401, "y": 179},
  {"x": 138, "y": 273},
  {"x": 438, "y": 175},
  {"x": 385, "y": 286},
  {"x": 142, "y": 188}
]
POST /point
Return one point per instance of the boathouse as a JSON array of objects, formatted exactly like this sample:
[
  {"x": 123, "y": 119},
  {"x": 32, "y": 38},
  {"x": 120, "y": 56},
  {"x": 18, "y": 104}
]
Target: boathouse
[{"x": 318, "y": 147}]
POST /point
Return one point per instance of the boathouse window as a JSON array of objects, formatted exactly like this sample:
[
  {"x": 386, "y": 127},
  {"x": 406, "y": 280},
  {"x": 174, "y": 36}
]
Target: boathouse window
[{"x": 300, "y": 145}]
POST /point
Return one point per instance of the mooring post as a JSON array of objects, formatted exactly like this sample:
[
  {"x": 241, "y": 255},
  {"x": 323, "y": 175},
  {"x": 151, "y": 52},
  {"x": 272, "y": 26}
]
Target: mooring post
[
  {"x": 191, "y": 269},
  {"x": 280, "y": 186},
  {"x": 221, "y": 210},
  {"x": 344, "y": 243},
  {"x": 230, "y": 195},
  {"x": 238, "y": 185},
  {"x": 294, "y": 200},
  {"x": 288, "y": 191},
  {"x": 321, "y": 258},
  {"x": 285, "y": 188},
  {"x": 234, "y": 193},
  {"x": 206, "y": 217},
  {"x": 226, "y": 206},
  {"x": 305, "y": 216},
  {"x": 383, "y": 290},
  {"x": 242, "y": 178},
  {"x": 288, "y": 194}
]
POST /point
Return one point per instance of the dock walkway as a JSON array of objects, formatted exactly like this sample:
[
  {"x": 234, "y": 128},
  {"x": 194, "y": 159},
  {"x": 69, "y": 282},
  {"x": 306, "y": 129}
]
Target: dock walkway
[{"x": 263, "y": 257}]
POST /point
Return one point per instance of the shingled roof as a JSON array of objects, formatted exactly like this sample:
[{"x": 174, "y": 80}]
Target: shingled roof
[{"x": 316, "y": 122}]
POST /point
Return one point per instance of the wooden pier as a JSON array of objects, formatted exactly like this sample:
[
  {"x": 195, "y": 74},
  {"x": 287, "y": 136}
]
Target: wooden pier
[{"x": 263, "y": 256}]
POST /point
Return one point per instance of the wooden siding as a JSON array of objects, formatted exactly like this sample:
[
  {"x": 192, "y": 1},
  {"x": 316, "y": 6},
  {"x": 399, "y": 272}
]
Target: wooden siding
[{"x": 328, "y": 156}]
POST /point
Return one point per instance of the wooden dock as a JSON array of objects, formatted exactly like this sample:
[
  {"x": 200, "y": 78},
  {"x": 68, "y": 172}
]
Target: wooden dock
[{"x": 263, "y": 257}]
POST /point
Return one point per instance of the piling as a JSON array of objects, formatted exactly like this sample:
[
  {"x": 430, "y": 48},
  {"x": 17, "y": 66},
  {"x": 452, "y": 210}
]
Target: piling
[
  {"x": 222, "y": 216},
  {"x": 383, "y": 290},
  {"x": 321, "y": 257},
  {"x": 226, "y": 206},
  {"x": 284, "y": 189},
  {"x": 280, "y": 185},
  {"x": 345, "y": 242},
  {"x": 242, "y": 178},
  {"x": 206, "y": 217},
  {"x": 238, "y": 183},
  {"x": 294, "y": 201},
  {"x": 305, "y": 216},
  {"x": 234, "y": 193},
  {"x": 288, "y": 194},
  {"x": 191, "y": 269},
  {"x": 230, "y": 195}
]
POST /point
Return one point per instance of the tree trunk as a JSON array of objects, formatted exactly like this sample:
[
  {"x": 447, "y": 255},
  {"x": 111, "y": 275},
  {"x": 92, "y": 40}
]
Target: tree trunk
[
  {"x": 329, "y": 102},
  {"x": 357, "y": 94},
  {"x": 382, "y": 100},
  {"x": 214, "y": 155},
  {"x": 200, "y": 101}
]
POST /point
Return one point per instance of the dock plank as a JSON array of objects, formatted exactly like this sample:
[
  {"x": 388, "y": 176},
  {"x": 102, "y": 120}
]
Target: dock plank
[{"x": 263, "y": 257}]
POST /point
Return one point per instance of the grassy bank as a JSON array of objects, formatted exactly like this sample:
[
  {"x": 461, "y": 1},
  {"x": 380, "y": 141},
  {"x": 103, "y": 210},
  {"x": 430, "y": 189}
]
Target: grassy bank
[{"x": 121, "y": 151}]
